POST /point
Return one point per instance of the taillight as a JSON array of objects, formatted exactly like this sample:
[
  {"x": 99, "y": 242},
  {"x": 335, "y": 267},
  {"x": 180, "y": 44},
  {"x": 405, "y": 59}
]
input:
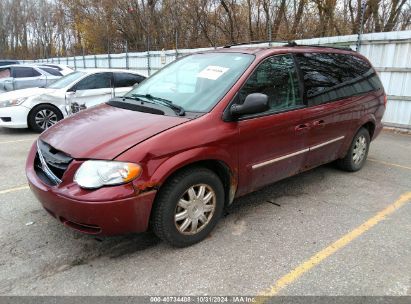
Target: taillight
[{"x": 385, "y": 100}]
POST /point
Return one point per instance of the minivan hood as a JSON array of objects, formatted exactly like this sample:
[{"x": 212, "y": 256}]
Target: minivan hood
[
  {"x": 104, "y": 131},
  {"x": 16, "y": 94}
]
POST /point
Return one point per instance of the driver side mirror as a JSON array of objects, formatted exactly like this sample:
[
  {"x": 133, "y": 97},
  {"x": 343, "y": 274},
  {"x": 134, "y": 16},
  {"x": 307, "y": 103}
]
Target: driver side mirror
[
  {"x": 254, "y": 103},
  {"x": 8, "y": 84},
  {"x": 73, "y": 89}
]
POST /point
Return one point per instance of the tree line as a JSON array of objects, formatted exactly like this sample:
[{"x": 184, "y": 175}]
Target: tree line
[{"x": 32, "y": 29}]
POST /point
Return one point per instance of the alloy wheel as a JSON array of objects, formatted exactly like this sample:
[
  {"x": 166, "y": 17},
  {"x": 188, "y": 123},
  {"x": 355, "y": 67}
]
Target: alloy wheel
[
  {"x": 45, "y": 119},
  {"x": 195, "y": 209},
  {"x": 359, "y": 150}
]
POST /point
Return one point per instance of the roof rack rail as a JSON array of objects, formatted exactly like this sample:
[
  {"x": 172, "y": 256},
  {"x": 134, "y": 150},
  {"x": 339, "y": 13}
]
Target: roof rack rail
[
  {"x": 254, "y": 42},
  {"x": 293, "y": 43},
  {"x": 290, "y": 43}
]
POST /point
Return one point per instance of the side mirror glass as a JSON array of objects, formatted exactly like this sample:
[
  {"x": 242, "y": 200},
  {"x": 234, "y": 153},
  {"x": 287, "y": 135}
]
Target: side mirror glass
[
  {"x": 253, "y": 104},
  {"x": 8, "y": 84}
]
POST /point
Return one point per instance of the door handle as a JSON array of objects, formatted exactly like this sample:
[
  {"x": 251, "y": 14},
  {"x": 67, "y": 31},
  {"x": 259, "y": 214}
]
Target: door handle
[
  {"x": 302, "y": 127},
  {"x": 319, "y": 123}
]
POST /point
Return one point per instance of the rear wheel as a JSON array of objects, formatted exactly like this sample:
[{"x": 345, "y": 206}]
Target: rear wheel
[
  {"x": 357, "y": 154},
  {"x": 43, "y": 117},
  {"x": 188, "y": 207}
]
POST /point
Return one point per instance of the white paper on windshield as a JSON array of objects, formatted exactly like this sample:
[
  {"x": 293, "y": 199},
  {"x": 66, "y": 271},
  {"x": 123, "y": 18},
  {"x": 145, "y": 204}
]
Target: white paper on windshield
[{"x": 212, "y": 72}]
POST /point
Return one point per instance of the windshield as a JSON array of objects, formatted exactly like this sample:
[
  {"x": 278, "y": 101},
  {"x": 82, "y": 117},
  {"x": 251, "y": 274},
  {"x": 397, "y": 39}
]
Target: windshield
[
  {"x": 66, "y": 80},
  {"x": 197, "y": 82}
]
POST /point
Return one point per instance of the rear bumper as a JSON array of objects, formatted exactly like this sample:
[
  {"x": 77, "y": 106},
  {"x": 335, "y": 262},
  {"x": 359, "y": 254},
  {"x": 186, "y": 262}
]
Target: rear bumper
[
  {"x": 108, "y": 216},
  {"x": 14, "y": 117}
]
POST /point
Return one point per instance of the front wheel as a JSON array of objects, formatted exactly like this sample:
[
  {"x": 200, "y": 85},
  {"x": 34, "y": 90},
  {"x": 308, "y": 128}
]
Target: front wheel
[
  {"x": 188, "y": 207},
  {"x": 357, "y": 154},
  {"x": 43, "y": 117}
]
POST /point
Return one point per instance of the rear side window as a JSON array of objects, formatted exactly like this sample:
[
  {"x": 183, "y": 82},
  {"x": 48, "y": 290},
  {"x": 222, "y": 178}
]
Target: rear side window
[
  {"x": 51, "y": 71},
  {"x": 54, "y": 67},
  {"x": 23, "y": 72},
  {"x": 7, "y": 62},
  {"x": 329, "y": 76},
  {"x": 5, "y": 73},
  {"x": 96, "y": 81},
  {"x": 277, "y": 78},
  {"x": 122, "y": 80}
]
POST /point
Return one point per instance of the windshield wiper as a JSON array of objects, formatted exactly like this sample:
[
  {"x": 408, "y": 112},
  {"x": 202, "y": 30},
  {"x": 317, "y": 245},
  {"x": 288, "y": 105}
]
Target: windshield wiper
[{"x": 165, "y": 102}]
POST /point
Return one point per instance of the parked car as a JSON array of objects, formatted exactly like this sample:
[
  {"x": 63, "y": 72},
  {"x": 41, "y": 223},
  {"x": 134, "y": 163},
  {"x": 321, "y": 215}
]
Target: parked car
[
  {"x": 210, "y": 127},
  {"x": 63, "y": 69},
  {"x": 8, "y": 62},
  {"x": 40, "y": 108},
  {"x": 16, "y": 77}
]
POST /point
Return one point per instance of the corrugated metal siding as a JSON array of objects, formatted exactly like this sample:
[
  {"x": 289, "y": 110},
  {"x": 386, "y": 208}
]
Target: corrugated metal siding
[
  {"x": 390, "y": 53},
  {"x": 392, "y": 59}
]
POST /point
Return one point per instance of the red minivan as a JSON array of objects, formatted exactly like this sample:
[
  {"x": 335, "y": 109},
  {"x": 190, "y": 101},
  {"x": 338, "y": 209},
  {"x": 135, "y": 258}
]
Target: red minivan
[{"x": 204, "y": 130}]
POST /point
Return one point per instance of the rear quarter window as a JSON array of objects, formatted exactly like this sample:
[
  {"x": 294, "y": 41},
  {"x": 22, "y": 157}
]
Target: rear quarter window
[
  {"x": 54, "y": 67},
  {"x": 330, "y": 76},
  {"x": 23, "y": 72},
  {"x": 7, "y": 62},
  {"x": 122, "y": 80},
  {"x": 51, "y": 71}
]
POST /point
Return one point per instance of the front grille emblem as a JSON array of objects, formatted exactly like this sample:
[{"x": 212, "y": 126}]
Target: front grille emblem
[{"x": 45, "y": 168}]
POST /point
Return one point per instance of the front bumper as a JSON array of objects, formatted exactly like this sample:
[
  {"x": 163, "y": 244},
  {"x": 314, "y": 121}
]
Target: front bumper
[
  {"x": 14, "y": 117},
  {"x": 93, "y": 212}
]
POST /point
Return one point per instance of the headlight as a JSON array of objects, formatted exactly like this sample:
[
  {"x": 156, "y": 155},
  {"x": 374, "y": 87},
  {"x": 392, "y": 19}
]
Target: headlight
[
  {"x": 12, "y": 102},
  {"x": 94, "y": 174}
]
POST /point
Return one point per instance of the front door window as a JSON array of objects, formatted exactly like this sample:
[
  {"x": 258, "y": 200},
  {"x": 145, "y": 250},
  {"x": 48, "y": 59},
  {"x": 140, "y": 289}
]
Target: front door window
[{"x": 277, "y": 78}]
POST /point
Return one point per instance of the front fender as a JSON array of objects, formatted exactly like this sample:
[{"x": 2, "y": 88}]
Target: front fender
[
  {"x": 191, "y": 156},
  {"x": 56, "y": 101},
  {"x": 158, "y": 169}
]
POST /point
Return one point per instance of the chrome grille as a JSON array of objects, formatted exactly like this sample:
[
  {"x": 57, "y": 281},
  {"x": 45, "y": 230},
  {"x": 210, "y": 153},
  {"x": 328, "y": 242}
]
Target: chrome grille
[{"x": 50, "y": 164}]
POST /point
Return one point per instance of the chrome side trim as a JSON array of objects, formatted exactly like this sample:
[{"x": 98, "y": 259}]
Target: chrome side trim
[
  {"x": 46, "y": 168},
  {"x": 279, "y": 158},
  {"x": 326, "y": 143},
  {"x": 268, "y": 162}
]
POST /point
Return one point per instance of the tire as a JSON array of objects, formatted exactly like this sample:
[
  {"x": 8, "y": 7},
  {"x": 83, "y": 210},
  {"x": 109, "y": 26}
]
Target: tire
[
  {"x": 43, "y": 117},
  {"x": 175, "y": 197},
  {"x": 357, "y": 154}
]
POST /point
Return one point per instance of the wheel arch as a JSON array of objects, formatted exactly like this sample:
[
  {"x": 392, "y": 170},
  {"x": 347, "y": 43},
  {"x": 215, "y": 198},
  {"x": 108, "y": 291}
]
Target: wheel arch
[
  {"x": 220, "y": 168},
  {"x": 43, "y": 104},
  {"x": 213, "y": 159},
  {"x": 370, "y": 127},
  {"x": 368, "y": 122}
]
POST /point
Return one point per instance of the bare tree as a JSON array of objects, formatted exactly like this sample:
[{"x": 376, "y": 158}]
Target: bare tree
[{"x": 46, "y": 28}]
